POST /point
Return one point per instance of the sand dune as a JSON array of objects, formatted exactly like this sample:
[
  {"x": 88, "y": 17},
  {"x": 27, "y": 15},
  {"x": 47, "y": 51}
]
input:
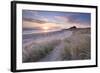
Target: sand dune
[{"x": 71, "y": 44}]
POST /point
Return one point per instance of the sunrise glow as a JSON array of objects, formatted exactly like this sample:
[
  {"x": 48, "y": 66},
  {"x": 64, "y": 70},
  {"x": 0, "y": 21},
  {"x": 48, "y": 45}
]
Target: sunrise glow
[
  {"x": 46, "y": 20},
  {"x": 45, "y": 28}
]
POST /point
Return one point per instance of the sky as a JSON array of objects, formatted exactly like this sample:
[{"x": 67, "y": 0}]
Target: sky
[{"x": 52, "y": 19}]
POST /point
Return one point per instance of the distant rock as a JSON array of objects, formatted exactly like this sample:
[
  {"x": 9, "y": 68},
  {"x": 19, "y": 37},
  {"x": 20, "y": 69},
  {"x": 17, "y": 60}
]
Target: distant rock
[{"x": 73, "y": 27}]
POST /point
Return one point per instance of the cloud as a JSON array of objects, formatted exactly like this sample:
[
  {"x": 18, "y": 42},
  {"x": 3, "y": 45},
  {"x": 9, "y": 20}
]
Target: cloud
[
  {"x": 37, "y": 24},
  {"x": 73, "y": 20},
  {"x": 62, "y": 18},
  {"x": 39, "y": 19},
  {"x": 33, "y": 20},
  {"x": 44, "y": 19}
]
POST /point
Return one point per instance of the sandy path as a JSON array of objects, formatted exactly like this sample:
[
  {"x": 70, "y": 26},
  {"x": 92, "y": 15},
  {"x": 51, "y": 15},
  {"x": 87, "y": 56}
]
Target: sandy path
[{"x": 55, "y": 55}]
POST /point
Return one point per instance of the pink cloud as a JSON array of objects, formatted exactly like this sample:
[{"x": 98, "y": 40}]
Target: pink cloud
[{"x": 62, "y": 18}]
